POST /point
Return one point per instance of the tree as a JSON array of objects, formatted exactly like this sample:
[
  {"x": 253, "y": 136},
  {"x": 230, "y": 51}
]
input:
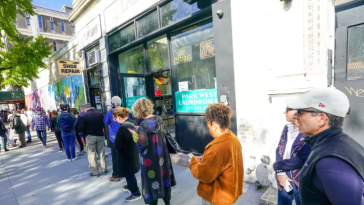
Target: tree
[{"x": 20, "y": 64}]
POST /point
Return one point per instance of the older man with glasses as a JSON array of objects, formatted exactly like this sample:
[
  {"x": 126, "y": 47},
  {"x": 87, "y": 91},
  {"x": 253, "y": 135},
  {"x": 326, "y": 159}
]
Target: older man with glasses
[{"x": 334, "y": 171}]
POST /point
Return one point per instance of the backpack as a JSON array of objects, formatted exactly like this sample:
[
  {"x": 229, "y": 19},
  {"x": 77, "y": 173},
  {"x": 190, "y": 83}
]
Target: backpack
[{"x": 65, "y": 122}]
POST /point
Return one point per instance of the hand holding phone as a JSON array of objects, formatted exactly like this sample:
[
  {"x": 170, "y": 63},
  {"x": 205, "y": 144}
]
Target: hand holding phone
[
  {"x": 190, "y": 155},
  {"x": 288, "y": 187}
]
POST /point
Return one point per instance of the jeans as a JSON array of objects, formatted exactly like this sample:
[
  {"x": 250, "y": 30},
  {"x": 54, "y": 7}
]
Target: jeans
[
  {"x": 28, "y": 133},
  {"x": 132, "y": 184},
  {"x": 285, "y": 199},
  {"x": 44, "y": 133},
  {"x": 166, "y": 199},
  {"x": 4, "y": 140},
  {"x": 68, "y": 139}
]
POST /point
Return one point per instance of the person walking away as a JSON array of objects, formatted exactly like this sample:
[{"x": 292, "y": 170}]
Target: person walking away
[
  {"x": 4, "y": 137},
  {"x": 156, "y": 171},
  {"x": 19, "y": 128},
  {"x": 127, "y": 153},
  {"x": 334, "y": 172},
  {"x": 10, "y": 118},
  {"x": 66, "y": 121},
  {"x": 57, "y": 130},
  {"x": 41, "y": 121},
  {"x": 26, "y": 121},
  {"x": 91, "y": 124},
  {"x": 78, "y": 137},
  {"x": 220, "y": 169},
  {"x": 113, "y": 128},
  {"x": 291, "y": 154}
]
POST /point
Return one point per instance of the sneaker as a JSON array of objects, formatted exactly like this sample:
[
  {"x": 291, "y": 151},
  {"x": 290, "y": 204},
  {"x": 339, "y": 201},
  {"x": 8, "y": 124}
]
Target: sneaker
[
  {"x": 21, "y": 146},
  {"x": 74, "y": 159},
  {"x": 6, "y": 150},
  {"x": 45, "y": 146},
  {"x": 125, "y": 188},
  {"x": 94, "y": 175},
  {"x": 69, "y": 160},
  {"x": 134, "y": 198},
  {"x": 14, "y": 145},
  {"x": 60, "y": 150},
  {"x": 105, "y": 172},
  {"x": 114, "y": 179},
  {"x": 29, "y": 142}
]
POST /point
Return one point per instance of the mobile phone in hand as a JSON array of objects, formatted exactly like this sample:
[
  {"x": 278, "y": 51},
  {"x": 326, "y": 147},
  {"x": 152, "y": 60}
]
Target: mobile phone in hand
[
  {"x": 190, "y": 155},
  {"x": 289, "y": 187}
]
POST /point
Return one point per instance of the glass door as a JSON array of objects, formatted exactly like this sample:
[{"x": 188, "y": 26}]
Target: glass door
[{"x": 135, "y": 88}]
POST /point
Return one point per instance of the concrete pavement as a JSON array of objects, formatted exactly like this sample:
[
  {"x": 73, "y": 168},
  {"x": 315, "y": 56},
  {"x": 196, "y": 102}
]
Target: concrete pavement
[{"x": 37, "y": 175}]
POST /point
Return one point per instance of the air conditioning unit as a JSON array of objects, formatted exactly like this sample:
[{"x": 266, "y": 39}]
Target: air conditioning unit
[
  {"x": 27, "y": 15},
  {"x": 93, "y": 58},
  {"x": 52, "y": 20}
]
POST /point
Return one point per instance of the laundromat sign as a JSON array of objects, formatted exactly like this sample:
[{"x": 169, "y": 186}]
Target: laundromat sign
[
  {"x": 195, "y": 101},
  {"x": 66, "y": 67}
]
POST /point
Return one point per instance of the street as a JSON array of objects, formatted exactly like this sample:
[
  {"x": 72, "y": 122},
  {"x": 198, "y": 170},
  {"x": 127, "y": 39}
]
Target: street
[{"x": 37, "y": 175}]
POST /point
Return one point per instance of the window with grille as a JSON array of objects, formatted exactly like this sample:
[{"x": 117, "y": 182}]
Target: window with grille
[
  {"x": 52, "y": 25},
  {"x": 355, "y": 63}
]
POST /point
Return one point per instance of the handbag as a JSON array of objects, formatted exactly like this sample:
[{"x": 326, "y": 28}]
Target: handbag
[{"x": 172, "y": 144}]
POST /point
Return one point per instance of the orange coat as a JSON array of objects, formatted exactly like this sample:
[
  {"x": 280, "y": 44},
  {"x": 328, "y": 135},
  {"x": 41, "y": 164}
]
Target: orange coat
[{"x": 221, "y": 171}]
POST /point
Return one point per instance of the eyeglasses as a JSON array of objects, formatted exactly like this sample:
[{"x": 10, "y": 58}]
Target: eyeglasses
[
  {"x": 289, "y": 109},
  {"x": 300, "y": 111}
]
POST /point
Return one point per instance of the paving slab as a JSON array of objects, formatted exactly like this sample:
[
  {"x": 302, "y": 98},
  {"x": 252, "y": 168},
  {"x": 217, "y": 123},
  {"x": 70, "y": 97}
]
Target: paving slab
[{"x": 38, "y": 176}]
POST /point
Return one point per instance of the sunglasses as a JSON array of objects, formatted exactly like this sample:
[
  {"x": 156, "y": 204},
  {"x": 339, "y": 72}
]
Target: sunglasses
[
  {"x": 289, "y": 109},
  {"x": 300, "y": 111}
]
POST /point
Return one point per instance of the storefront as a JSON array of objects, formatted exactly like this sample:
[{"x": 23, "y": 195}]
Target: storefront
[{"x": 167, "y": 54}]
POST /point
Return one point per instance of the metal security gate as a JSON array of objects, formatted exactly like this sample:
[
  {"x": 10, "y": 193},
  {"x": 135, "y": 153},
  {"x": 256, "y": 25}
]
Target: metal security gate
[{"x": 349, "y": 66}]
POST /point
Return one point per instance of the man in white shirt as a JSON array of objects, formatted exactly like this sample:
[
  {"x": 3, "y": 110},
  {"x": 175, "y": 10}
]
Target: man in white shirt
[
  {"x": 291, "y": 154},
  {"x": 26, "y": 120}
]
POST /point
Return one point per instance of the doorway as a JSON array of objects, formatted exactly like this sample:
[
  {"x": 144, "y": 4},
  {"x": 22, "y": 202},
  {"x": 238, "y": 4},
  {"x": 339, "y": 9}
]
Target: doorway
[{"x": 349, "y": 67}]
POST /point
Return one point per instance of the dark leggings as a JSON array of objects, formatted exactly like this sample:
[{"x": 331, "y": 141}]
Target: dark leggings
[
  {"x": 79, "y": 141},
  {"x": 59, "y": 139},
  {"x": 166, "y": 199}
]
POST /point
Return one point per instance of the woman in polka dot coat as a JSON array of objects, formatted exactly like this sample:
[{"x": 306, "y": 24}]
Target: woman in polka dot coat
[{"x": 156, "y": 167}]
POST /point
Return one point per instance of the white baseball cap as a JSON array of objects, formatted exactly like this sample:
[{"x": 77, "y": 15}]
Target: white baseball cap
[{"x": 328, "y": 100}]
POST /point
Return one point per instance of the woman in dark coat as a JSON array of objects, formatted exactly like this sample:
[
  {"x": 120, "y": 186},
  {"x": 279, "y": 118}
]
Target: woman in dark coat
[
  {"x": 57, "y": 130},
  {"x": 127, "y": 153},
  {"x": 156, "y": 169}
]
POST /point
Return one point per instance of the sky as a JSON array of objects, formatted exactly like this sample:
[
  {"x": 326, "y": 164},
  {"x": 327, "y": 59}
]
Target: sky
[{"x": 52, "y": 4}]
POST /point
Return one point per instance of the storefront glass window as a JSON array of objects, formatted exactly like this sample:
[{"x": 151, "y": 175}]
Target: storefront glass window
[
  {"x": 132, "y": 61},
  {"x": 94, "y": 77},
  {"x": 158, "y": 54},
  {"x": 176, "y": 10},
  {"x": 122, "y": 37},
  {"x": 193, "y": 56},
  {"x": 134, "y": 89},
  {"x": 147, "y": 24}
]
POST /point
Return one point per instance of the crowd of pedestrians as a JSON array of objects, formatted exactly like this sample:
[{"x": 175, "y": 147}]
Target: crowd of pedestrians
[{"x": 316, "y": 163}]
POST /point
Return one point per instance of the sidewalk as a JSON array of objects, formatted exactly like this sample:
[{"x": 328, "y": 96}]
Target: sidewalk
[{"x": 37, "y": 175}]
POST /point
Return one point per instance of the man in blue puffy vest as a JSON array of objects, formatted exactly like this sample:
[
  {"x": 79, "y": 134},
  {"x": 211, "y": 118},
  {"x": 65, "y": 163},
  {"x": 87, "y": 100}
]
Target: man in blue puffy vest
[
  {"x": 334, "y": 171},
  {"x": 66, "y": 121}
]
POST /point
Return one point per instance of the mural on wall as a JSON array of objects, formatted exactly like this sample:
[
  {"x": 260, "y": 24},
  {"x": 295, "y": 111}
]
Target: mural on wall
[{"x": 67, "y": 91}]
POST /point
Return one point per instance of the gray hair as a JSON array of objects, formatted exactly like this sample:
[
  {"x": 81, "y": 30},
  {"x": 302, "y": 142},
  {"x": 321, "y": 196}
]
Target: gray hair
[
  {"x": 86, "y": 106},
  {"x": 116, "y": 101},
  {"x": 334, "y": 121}
]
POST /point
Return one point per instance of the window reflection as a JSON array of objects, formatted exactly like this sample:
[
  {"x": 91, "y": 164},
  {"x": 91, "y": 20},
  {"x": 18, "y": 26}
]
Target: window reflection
[
  {"x": 122, "y": 37},
  {"x": 132, "y": 61},
  {"x": 176, "y": 10},
  {"x": 147, "y": 24},
  {"x": 158, "y": 54}
]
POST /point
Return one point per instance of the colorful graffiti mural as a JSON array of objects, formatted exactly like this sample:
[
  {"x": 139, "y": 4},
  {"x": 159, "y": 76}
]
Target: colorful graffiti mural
[{"x": 67, "y": 91}]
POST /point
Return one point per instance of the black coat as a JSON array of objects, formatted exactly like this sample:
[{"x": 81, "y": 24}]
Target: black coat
[
  {"x": 92, "y": 123},
  {"x": 54, "y": 125},
  {"x": 127, "y": 150}
]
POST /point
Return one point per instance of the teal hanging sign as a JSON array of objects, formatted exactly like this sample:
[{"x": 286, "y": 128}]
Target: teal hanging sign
[
  {"x": 131, "y": 100},
  {"x": 195, "y": 100}
]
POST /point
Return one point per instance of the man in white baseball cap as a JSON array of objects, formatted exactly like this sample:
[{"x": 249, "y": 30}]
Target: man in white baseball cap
[{"x": 334, "y": 171}]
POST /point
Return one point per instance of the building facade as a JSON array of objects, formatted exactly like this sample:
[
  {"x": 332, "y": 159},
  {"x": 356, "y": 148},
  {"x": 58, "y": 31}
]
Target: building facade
[{"x": 52, "y": 88}]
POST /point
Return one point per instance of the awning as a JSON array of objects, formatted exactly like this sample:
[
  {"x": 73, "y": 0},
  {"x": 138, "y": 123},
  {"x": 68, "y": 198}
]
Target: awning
[{"x": 11, "y": 97}]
